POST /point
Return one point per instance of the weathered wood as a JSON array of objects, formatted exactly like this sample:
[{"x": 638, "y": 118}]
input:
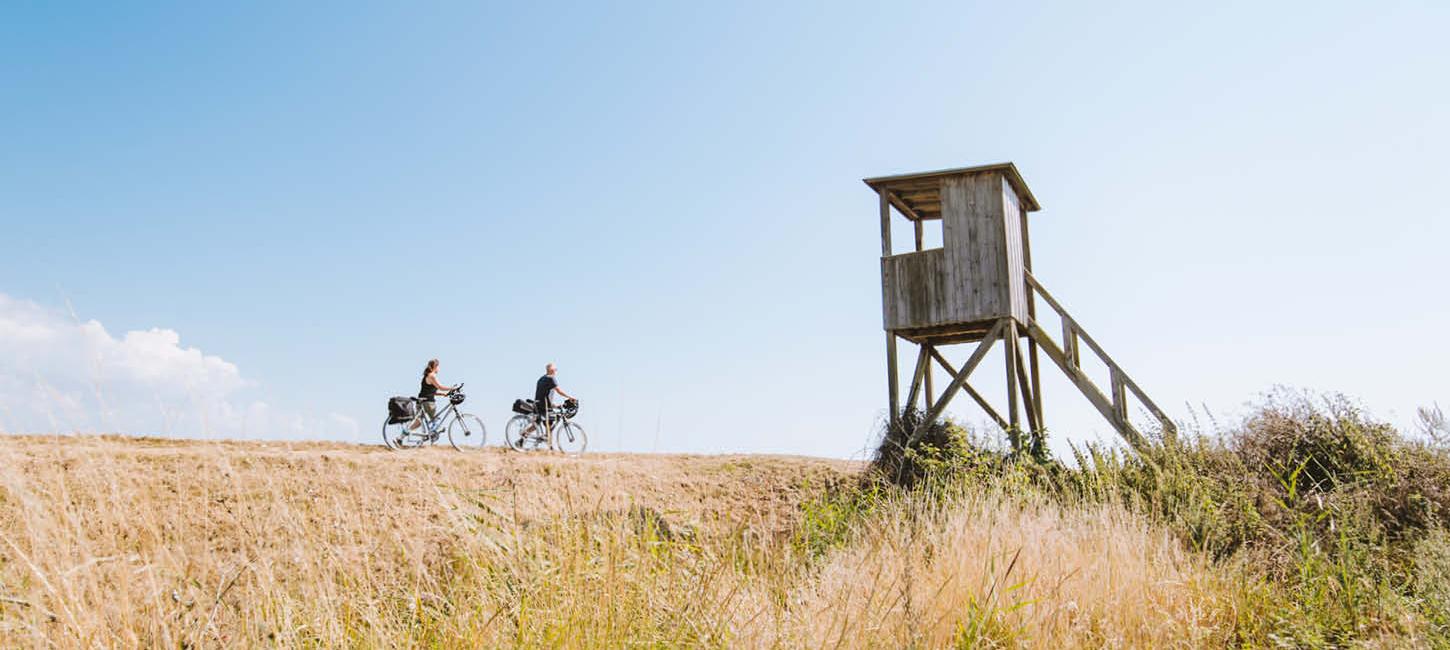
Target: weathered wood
[
  {"x": 915, "y": 290},
  {"x": 885, "y": 223},
  {"x": 1014, "y": 434},
  {"x": 906, "y": 210},
  {"x": 1120, "y": 398},
  {"x": 940, "y": 335},
  {"x": 961, "y": 377},
  {"x": 1029, "y": 396},
  {"x": 972, "y": 238},
  {"x": 929, "y": 195},
  {"x": 1069, "y": 344},
  {"x": 1012, "y": 254},
  {"x": 1033, "y": 366},
  {"x": 1078, "y": 335},
  {"x": 893, "y": 389},
  {"x": 979, "y": 287},
  {"x": 1086, "y": 387},
  {"x": 926, "y": 378},
  {"x": 904, "y": 182},
  {"x": 922, "y": 358},
  {"x": 979, "y": 275},
  {"x": 971, "y": 392}
]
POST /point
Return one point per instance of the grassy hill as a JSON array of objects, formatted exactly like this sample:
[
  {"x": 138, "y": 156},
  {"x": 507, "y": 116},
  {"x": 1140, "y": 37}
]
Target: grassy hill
[
  {"x": 110, "y": 540},
  {"x": 123, "y": 542}
]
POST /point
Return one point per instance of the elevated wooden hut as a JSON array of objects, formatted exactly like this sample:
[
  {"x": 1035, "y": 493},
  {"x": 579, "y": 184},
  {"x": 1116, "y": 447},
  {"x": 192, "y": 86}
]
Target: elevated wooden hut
[{"x": 978, "y": 288}]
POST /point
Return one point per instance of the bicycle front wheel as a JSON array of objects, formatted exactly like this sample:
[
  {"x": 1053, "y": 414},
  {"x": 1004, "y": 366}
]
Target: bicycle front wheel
[
  {"x": 466, "y": 432},
  {"x": 570, "y": 438}
]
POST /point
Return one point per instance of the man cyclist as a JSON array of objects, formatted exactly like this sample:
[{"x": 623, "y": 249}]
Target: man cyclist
[{"x": 545, "y": 389}]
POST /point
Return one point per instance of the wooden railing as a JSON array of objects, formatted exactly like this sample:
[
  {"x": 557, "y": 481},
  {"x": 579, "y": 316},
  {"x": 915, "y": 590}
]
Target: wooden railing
[{"x": 1068, "y": 356}]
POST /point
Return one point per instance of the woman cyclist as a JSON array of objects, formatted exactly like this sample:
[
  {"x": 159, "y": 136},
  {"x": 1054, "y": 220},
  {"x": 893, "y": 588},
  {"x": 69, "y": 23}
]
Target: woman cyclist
[{"x": 428, "y": 389}]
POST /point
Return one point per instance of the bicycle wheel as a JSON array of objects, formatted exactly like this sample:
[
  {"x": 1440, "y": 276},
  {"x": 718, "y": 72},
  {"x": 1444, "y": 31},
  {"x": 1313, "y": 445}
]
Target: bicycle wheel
[
  {"x": 570, "y": 438},
  {"x": 466, "y": 432},
  {"x": 398, "y": 436},
  {"x": 522, "y": 434}
]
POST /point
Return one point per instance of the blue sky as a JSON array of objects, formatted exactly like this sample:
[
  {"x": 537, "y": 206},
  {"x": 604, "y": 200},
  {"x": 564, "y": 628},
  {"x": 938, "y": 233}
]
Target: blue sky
[{"x": 312, "y": 199}]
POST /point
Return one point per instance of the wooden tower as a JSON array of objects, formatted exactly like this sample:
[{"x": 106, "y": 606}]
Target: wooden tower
[{"x": 978, "y": 289}]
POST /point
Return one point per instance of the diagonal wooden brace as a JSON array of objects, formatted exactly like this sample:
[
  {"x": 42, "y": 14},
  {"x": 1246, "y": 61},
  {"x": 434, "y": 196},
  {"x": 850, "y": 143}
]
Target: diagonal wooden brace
[
  {"x": 916, "y": 378},
  {"x": 967, "y": 388},
  {"x": 959, "y": 379}
]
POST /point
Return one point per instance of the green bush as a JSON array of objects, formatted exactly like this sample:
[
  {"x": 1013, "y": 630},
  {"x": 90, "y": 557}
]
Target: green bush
[
  {"x": 1341, "y": 511},
  {"x": 1343, "y": 515},
  {"x": 911, "y": 454}
]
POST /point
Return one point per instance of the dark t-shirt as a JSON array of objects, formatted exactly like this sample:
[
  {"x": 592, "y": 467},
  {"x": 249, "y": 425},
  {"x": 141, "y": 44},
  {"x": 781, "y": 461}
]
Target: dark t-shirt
[
  {"x": 545, "y": 386},
  {"x": 426, "y": 390}
]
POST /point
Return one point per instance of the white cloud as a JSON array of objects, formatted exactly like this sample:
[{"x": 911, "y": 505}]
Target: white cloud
[{"x": 58, "y": 374}]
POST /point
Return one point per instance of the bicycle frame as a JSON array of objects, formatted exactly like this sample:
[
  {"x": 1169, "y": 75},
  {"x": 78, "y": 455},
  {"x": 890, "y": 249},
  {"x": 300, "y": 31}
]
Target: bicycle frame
[
  {"x": 431, "y": 427},
  {"x": 554, "y": 418}
]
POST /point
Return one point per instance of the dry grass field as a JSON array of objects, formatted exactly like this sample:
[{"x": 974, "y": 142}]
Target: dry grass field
[
  {"x": 1306, "y": 525},
  {"x": 122, "y": 542}
]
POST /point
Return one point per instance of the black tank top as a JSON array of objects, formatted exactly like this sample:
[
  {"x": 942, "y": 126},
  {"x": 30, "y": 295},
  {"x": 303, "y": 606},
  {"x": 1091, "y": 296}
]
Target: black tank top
[{"x": 426, "y": 390}]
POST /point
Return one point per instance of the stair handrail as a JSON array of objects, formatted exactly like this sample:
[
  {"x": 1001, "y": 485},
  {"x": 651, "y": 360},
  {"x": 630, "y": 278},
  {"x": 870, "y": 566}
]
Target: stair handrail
[{"x": 1072, "y": 332}]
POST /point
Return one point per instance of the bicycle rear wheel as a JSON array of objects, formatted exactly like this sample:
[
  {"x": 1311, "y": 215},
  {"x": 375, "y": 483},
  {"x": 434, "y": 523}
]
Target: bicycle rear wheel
[
  {"x": 466, "y": 432},
  {"x": 523, "y": 434},
  {"x": 398, "y": 436},
  {"x": 570, "y": 438}
]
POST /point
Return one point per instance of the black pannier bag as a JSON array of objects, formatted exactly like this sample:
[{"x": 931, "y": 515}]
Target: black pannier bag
[
  {"x": 524, "y": 406},
  {"x": 400, "y": 409}
]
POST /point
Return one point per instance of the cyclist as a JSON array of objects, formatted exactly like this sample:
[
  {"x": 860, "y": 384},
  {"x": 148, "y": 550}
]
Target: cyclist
[
  {"x": 545, "y": 389},
  {"x": 428, "y": 389}
]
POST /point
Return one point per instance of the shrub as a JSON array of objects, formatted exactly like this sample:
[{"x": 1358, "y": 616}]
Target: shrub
[
  {"x": 942, "y": 453},
  {"x": 1340, "y": 510}
]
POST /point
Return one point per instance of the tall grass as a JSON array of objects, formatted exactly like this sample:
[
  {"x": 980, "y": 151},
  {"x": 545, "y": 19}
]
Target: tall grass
[
  {"x": 1339, "y": 515},
  {"x": 122, "y": 544},
  {"x": 1308, "y": 525}
]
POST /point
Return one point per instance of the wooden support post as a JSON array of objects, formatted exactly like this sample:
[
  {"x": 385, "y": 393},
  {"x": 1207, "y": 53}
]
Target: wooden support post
[
  {"x": 1014, "y": 434},
  {"x": 919, "y": 238},
  {"x": 1029, "y": 396},
  {"x": 893, "y": 389},
  {"x": 930, "y": 395},
  {"x": 1041, "y": 424},
  {"x": 885, "y": 223},
  {"x": 1035, "y": 369}
]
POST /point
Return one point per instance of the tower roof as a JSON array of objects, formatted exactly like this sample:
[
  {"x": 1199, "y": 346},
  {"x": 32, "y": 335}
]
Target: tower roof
[{"x": 920, "y": 193}]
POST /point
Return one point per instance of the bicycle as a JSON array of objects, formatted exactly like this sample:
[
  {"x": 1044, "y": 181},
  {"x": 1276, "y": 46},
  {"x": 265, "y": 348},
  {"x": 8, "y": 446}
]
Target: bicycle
[
  {"x": 465, "y": 430},
  {"x": 530, "y": 431}
]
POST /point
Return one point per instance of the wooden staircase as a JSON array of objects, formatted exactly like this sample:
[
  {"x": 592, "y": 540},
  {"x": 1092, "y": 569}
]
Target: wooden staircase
[{"x": 1068, "y": 355}]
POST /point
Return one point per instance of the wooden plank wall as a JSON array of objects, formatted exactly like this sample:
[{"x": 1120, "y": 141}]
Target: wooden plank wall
[
  {"x": 978, "y": 273},
  {"x": 916, "y": 290},
  {"x": 1014, "y": 241},
  {"x": 974, "y": 239}
]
